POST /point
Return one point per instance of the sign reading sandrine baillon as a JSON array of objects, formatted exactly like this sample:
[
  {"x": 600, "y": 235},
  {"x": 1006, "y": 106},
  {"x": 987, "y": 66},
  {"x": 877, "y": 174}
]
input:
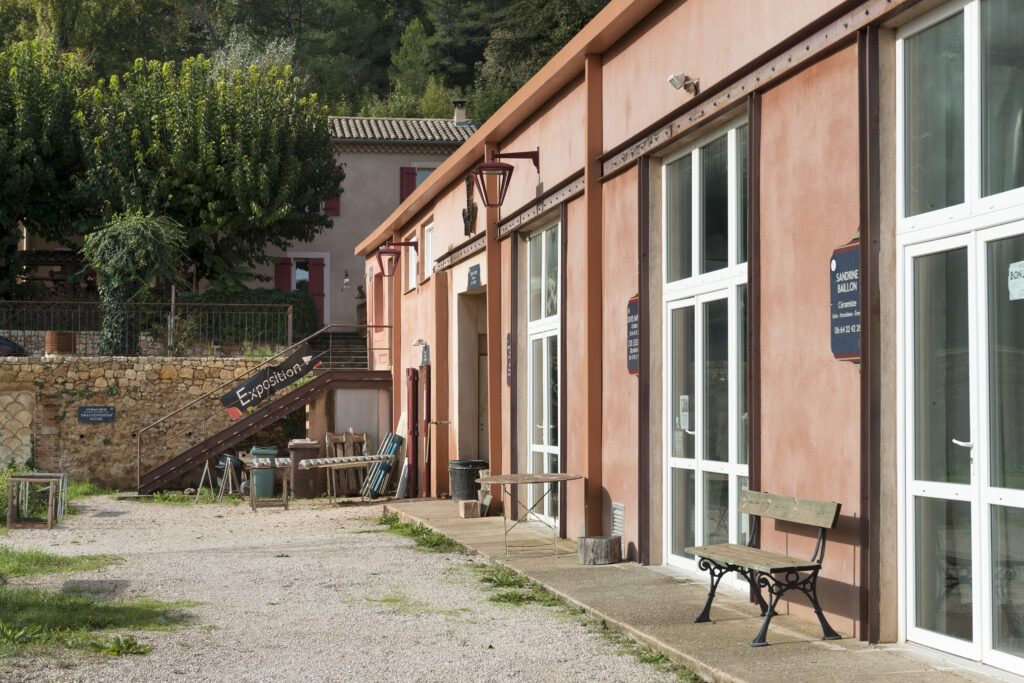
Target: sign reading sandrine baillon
[
  {"x": 844, "y": 323},
  {"x": 269, "y": 381}
]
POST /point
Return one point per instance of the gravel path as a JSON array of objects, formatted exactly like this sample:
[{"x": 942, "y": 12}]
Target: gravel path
[{"x": 299, "y": 595}]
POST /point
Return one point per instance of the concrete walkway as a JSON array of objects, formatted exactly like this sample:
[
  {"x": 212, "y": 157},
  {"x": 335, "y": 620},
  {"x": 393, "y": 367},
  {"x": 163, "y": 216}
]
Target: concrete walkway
[{"x": 657, "y": 609}]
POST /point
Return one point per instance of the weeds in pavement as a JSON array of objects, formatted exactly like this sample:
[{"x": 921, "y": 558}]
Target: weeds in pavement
[
  {"x": 32, "y": 562},
  {"x": 513, "y": 588},
  {"x": 69, "y": 619},
  {"x": 120, "y": 645},
  {"x": 425, "y": 537},
  {"x": 207, "y": 496},
  {"x": 624, "y": 645}
]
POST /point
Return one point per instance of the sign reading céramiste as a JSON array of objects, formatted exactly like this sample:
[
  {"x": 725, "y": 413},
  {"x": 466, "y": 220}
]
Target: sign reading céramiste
[
  {"x": 268, "y": 381},
  {"x": 844, "y": 323}
]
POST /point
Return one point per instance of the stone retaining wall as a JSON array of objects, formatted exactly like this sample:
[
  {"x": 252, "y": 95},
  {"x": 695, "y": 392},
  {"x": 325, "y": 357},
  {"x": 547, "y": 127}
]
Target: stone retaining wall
[{"x": 50, "y": 389}]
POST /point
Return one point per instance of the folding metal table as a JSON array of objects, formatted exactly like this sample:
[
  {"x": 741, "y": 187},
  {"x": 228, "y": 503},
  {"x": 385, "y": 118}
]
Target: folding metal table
[{"x": 508, "y": 481}]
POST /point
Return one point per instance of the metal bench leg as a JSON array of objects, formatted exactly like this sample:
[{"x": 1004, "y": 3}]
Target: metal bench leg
[
  {"x": 759, "y": 640},
  {"x": 751, "y": 577},
  {"x": 716, "y": 571},
  {"x": 811, "y": 591}
]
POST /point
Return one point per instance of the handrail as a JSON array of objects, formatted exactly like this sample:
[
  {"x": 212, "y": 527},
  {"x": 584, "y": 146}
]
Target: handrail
[{"x": 220, "y": 387}]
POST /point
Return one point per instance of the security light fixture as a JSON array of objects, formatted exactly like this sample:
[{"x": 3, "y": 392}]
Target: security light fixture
[
  {"x": 681, "y": 80},
  {"x": 346, "y": 282},
  {"x": 503, "y": 173},
  {"x": 390, "y": 248}
]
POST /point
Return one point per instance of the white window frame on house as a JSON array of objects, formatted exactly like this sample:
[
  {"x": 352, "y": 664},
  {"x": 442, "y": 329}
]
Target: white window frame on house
[
  {"x": 543, "y": 331},
  {"x": 971, "y": 226},
  {"x": 699, "y": 291},
  {"x": 428, "y": 251},
  {"x": 412, "y": 262},
  {"x": 326, "y": 256},
  {"x": 420, "y": 167}
]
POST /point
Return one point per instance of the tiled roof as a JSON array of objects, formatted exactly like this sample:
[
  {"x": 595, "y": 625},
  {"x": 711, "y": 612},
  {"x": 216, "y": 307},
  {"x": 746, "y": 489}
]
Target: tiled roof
[{"x": 377, "y": 129}]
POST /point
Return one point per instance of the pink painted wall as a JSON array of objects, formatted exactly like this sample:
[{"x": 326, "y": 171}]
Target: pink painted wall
[
  {"x": 572, "y": 443},
  {"x": 706, "y": 39},
  {"x": 619, "y": 388},
  {"x": 810, "y": 402}
]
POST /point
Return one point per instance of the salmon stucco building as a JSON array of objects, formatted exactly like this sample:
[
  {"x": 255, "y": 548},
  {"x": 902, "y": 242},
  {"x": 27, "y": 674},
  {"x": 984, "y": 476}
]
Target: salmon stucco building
[{"x": 764, "y": 245}]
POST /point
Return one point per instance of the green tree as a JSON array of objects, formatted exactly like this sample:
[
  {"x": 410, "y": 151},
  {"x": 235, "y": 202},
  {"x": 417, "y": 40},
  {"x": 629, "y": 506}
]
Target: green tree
[
  {"x": 40, "y": 153},
  {"x": 128, "y": 253},
  {"x": 436, "y": 102},
  {"x": 410, "y": 62},
  {"x": 241, "y": 159}
]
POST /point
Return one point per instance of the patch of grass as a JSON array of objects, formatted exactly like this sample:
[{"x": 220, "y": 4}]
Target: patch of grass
[
  {"x": 626, "y": 646},
  {"x": 81, "y": 489},
  {"x": 72, "y": 619},
  {"x": 207, "y": 496},
  {"x": 513, "y": 588},
  {"x": 120, "y": 645},
  {"x": 425, "y": 537},
  {"x": 32, "y": 562}
]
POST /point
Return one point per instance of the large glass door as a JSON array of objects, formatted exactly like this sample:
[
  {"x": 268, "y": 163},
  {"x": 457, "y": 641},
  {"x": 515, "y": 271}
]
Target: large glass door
[
  {"x": 965, "y": 445},
  {"x": 705, "y": 421}
]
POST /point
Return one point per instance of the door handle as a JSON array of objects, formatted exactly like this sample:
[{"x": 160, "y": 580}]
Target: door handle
[
  {"x": 691, "y": 432},
  {"x": 963, "y": 444}
]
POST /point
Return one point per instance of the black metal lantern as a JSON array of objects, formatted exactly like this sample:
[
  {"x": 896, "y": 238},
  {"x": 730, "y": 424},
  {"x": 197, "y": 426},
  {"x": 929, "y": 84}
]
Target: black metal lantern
[
  {"x": 390, "y": 248},
  {"x": 502, "y": 172}
]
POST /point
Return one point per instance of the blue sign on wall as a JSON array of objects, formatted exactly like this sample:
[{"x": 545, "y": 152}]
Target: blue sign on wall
[
  {"x": 844, "y": 323},
  {"x": 474, "y": 277},
  {"x": 96, "y": 413},
  {"x": 633, "y": 336}
]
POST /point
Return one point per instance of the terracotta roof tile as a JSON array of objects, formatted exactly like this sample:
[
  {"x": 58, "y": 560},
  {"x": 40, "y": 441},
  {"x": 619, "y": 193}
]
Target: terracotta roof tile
[{"x": 379, "y": 129}]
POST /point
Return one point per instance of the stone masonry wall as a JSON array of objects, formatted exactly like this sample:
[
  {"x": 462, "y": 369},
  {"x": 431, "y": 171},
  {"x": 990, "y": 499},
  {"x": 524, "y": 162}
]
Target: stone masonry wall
[{"x": 50, "y": 389}]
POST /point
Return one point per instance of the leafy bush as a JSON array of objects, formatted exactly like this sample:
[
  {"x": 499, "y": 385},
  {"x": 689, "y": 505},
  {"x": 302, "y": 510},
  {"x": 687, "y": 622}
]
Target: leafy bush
[{"x": 120, "y": 645}]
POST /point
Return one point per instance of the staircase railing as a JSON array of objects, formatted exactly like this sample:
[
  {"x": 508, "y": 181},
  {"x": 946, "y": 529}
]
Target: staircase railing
[{"x": 203, "y": 416}]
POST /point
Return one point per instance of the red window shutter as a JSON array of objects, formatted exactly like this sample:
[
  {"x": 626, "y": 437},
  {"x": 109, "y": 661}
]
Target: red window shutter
[
  {"x": 407, "y": 182},
  {"x": 332, "y": 206},
  {"x": 316, "y": 285},
  {"x": 283, "y": 274}
]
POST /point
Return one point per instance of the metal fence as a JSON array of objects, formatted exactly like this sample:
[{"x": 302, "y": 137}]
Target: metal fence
[{"x": 148, "y": 329}]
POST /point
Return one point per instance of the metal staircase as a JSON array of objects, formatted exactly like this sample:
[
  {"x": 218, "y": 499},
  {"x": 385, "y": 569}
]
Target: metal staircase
[{"x": 181, "y": 441}]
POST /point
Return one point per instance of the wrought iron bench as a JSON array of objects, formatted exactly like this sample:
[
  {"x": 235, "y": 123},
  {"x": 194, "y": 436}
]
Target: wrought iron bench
[{"x": 763, "y": 569}]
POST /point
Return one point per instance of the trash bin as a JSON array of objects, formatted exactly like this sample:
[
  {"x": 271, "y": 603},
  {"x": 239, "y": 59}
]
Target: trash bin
[
  {"x": 303, "y": 481},
  {"x": 464, "y": 474},
  {"x": 263, "y": 480}
]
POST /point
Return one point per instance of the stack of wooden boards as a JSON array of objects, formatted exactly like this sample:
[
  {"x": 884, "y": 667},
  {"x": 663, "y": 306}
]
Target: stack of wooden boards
[{"x": 380, "y": 474}]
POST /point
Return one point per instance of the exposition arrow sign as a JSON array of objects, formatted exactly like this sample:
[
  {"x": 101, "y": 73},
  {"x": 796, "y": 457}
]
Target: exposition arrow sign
[{"x": 269, "y": 381}]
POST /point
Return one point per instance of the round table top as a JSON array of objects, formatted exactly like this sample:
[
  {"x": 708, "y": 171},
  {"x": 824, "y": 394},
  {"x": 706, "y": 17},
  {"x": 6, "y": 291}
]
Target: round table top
[{"x": 540, "y": 478}]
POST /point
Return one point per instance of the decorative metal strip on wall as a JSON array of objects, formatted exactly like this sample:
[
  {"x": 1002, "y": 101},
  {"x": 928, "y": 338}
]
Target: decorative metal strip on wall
[
  {"x": 543, "y": 205},
  {"x": 830, "y": 37},
  {"x": 462, "y": 253}
]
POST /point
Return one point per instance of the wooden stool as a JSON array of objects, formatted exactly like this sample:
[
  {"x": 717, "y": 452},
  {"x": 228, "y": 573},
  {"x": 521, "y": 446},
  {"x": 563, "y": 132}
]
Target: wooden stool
[{"x": 13, "y": 486}]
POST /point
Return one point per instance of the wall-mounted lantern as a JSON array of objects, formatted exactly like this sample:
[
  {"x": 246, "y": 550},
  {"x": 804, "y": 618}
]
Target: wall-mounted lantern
[
  {"x": 503, "y": 172},
  {"x": 394, "y": 250}
]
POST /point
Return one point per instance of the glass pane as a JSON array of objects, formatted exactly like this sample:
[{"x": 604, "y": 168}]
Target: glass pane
[
  {"x": 743, "y": 445},
  {"x": 716, "y": 508},
  {"x": 941, "y": 367},
  {"x": 714, "y": 205},
  {"x": 535, "y": 276},
  {"x": 1006, "y": 361},
  {"x": 537, "y": 389},
  {"x": 742, "y": 520},
  {"x": 716, "y": 380},
  {"x": 944, "y": 602},
  {"x": 682, "y": 407},
  {"x": 302, "y": 275},
  {"x": 536, "y": 490},
  {"x": 934, "y": 113},
  {"x": 553, "y": 497},
  {"x": 742, "y": 134},
  {"x": 552, "y": 381},
  {"x": 1002, "y": 95},
  {"x": 683, "y": 494},
  {"x": 1008, "y": 579},
  {"x": 551, "y": 273},
  {"x": 679, "y": 218}
]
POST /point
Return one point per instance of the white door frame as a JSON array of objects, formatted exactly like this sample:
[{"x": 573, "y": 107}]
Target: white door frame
[{"x": 326, "y": 256}]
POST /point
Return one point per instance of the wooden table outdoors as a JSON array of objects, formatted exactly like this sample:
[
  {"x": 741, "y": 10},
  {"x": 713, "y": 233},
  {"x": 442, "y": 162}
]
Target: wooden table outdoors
[{"x": 509, "y": 481}]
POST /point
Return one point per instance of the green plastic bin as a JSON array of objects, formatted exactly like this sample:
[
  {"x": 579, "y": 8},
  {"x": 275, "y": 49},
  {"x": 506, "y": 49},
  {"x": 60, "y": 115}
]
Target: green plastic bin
[{"x": 263, "y": 480}]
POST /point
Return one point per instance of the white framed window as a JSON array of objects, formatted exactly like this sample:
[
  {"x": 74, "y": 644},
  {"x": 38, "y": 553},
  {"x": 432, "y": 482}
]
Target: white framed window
[
  {"x": 704, "y": 336},
  {"x": 428, "y": 251},
  {"x": 960, "y": 238},
  {"x": 543, "y": 362},
  {"x": 960, "y": 113},
  {"x": 412, "y": 263}
]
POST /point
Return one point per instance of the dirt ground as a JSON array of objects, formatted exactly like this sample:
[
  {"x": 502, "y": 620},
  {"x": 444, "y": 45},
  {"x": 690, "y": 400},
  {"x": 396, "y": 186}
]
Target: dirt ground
[{"x": 303, "y": 595}]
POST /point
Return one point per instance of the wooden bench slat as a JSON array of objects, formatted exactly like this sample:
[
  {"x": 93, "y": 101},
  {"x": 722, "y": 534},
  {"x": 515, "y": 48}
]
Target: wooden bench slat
[
  {"x": 753, "y": 558},
  {"x": 817, "y": 513}
]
